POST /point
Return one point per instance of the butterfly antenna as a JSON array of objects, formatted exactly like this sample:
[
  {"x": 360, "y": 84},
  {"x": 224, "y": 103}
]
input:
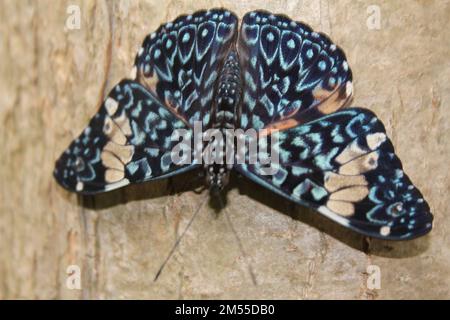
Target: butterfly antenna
[
  {"x": 239, "y": 242},
  {"x": 177, "y": 242}
]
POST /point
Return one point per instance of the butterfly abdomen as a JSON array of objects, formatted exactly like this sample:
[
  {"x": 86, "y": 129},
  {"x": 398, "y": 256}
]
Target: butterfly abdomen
[
  {"x": 225, "y": 120},
  {"x": 228, "y": 93}
]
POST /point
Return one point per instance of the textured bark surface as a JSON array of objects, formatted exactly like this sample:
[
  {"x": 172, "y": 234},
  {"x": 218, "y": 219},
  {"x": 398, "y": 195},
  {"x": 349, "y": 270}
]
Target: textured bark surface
[{"x": 52, "y": 81}]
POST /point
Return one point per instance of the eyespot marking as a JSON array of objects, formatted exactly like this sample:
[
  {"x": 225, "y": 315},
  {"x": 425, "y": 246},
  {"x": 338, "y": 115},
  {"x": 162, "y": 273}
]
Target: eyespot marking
[
  {"x": 360, "y": 165},
  {"x": 350, "y": 152}
]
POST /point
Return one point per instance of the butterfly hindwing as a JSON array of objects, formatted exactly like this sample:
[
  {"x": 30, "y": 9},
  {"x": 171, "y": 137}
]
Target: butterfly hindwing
[
  {"x": 181, "y": 61},
  {"x": 290, "y": 72},
  {"x": 127, "y": 141},
  {"x": 344, "y": 166}
]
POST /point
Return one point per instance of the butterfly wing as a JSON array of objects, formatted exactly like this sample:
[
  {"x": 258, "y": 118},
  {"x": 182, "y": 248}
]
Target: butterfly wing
[
  {"x": 291, "y": 73},
  {"x": 181, "y": 61},
  {"x": 344, "y": 166},
  {"x": 127, "y": 141},
  {"x": 340, "y": 163}
]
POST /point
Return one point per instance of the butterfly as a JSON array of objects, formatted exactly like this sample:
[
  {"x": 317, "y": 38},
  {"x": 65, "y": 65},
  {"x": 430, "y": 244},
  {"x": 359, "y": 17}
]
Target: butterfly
[{"x": 269, "y": 73}]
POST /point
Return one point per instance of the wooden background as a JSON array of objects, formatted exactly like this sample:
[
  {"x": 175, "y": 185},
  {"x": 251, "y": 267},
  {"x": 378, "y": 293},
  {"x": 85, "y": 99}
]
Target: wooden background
[{"x": 52, "y": 81}]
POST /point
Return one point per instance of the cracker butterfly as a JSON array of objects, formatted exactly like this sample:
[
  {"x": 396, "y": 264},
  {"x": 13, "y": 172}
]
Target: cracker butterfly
[{"x": 273, "y": 74}]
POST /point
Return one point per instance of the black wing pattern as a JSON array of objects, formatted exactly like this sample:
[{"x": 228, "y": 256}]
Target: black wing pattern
[
  {"x": 291, "y": 74},
  {"x": 127, "y": 141},
  {"x": 344, "y": 166},
  {"x": 181, "y": 61}
]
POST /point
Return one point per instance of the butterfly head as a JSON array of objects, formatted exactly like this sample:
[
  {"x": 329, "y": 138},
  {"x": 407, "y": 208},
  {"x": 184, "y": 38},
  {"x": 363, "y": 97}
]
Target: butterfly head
[{"x": 217, "y": 177}]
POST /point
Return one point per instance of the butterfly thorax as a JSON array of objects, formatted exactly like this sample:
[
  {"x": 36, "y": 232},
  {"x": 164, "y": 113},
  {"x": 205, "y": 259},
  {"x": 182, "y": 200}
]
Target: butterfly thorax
[{"x": 225, "y": 119}]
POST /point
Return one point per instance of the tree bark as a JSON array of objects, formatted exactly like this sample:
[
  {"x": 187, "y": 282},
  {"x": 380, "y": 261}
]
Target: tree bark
[{"x": 52, "y": 81}]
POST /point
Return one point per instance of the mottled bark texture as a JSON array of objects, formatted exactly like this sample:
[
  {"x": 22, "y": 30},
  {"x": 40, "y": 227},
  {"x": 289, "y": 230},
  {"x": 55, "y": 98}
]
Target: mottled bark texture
[{"x": 52, "y": 81}]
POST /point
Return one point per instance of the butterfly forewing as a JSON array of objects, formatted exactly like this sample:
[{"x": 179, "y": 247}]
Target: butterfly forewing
[
  {"x": 290, "y": 72},
  {"x": 181, "y": 61}
]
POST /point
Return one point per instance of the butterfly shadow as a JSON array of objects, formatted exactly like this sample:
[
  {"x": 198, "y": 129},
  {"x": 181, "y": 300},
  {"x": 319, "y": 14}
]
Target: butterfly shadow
[
  {"x": 152, "y": 190},
  {"x": 376, "y": 247},
  {"x": 194, "y": 181}
]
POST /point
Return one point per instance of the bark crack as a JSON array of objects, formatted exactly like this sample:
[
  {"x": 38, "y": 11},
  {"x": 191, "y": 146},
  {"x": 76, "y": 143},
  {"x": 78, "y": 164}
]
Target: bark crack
[{"x": 314, "y": 265}]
